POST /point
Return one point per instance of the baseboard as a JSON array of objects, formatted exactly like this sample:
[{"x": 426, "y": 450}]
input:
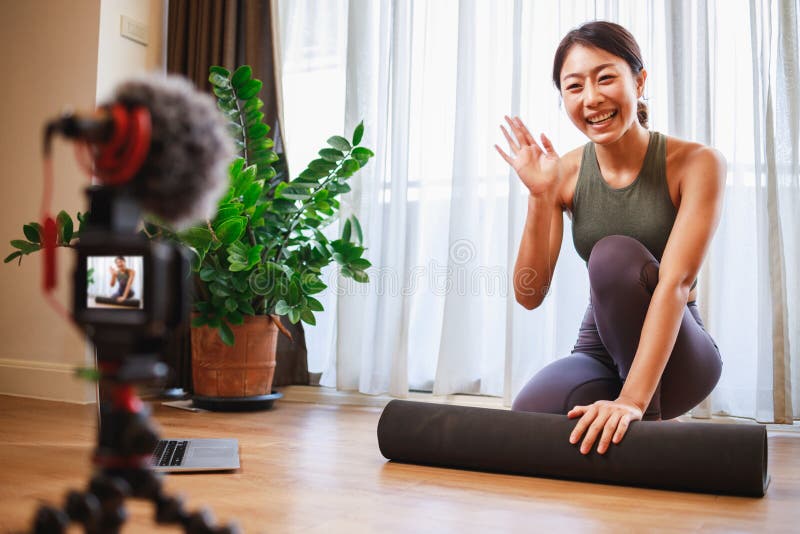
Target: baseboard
[
  {"x": 44, "y": 380},
  {"x": 325, "y": 395}
]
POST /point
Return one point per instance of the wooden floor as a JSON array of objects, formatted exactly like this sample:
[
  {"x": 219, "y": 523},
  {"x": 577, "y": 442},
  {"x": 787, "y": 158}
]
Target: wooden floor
[{"x": 317, "y": 469}]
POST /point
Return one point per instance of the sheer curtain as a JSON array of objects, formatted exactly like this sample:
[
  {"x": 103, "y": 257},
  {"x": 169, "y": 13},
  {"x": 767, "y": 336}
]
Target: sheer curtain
[{"x": 443, "y": 214}]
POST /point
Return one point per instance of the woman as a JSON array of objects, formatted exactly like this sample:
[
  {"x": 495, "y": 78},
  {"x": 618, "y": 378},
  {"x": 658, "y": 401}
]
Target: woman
[
  {"x": 644, "y": 208},
  {"x": 125, "y": 277}
]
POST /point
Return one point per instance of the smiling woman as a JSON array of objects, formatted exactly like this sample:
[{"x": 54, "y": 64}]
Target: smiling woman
[{"x": 644, "y": 208}]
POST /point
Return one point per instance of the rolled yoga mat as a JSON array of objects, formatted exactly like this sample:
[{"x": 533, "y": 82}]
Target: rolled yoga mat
[
  {"x": 701, "y": 457},
  {"x": 128, "y": 303}
]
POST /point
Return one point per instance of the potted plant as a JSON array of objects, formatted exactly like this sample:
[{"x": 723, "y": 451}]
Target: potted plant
[{"x": 262, "y": 255}]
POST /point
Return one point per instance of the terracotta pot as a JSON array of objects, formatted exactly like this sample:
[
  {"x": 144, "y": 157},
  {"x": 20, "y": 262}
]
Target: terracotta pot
[{"x": 244, "y": 370}]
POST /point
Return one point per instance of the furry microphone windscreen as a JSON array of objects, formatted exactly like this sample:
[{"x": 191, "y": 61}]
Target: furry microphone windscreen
[{"x": 186, "y": 169}]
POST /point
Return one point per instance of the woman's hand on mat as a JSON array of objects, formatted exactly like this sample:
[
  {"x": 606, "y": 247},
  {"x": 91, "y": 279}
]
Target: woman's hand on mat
[
  {"x": 606, "y": 420},
  {"x": 536, "y": 167},
  {"x": 120, "y": 299}
]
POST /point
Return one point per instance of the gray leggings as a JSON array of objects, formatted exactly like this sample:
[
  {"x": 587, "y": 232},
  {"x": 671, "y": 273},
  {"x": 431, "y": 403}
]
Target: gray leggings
[{"x": 623, "y": 275}]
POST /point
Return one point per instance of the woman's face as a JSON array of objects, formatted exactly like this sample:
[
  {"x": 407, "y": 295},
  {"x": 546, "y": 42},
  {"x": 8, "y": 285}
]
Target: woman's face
[
  {"x": 600, "y": 93},
  {"x": 120, "y": 263}
]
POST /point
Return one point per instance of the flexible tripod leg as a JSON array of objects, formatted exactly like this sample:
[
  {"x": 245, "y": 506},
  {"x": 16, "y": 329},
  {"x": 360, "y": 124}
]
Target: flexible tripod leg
[{"x": 125, "y": 441}]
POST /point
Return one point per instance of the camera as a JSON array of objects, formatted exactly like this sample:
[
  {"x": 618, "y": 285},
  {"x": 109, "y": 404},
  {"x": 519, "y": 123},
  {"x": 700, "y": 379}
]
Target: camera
[{"x": 149, "y": 297}]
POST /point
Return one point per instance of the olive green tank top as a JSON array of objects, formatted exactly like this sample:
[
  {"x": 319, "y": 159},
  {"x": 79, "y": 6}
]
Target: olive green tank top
[{"x": 642, "y": 210}]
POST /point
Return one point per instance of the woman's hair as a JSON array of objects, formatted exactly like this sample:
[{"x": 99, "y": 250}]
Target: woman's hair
[
  {"x": 120, "y": 258},
  {"x": 607, "y": 36}
]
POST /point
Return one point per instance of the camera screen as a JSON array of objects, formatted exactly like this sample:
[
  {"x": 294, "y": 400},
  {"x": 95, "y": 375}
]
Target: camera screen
[{"x": 115, "y": 282}]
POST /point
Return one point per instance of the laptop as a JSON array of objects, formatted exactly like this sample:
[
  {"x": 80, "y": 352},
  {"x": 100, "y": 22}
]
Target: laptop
[{"x": 177, "y": 455}]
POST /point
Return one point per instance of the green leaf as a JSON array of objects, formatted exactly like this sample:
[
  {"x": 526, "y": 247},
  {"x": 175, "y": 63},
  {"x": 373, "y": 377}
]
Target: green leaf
[
  {"x": 360, "y": 264},
  {"x": 236, "y": 167},
  {"x": 64, "y": 226},
  {"x": 237, "y": 267},
  {"x": 331, "y": 154},
  {"x": 235, "y": 318},
  {"x": 297, "y": 182},
  {"x": 241, "y": 76},
  {"x": 362, "y": 153},
  {"x": 360, "y": 276},
  {"x": 225, "y": 333},
  {"x": 281, "y": 308},
  {"x": 33, "y": 232},
  {"x": 12, "y": 256},
  {"x": 314, "y": 304},
  {"x": 250, "y": 196},
  {"x": 250, "y": 89},
  {"x": 218, "y": 80},
  {"x": 346, "y": 230},
  {"x": 25, "y": 246},
  {"x": 219, "y": 70},
  {"x": 284, "y": 205},
  {"x": 199, "y": 321},
  {"x": 254, "y": 255},
  {"x": 321, "y": 165},
  {"x": 197, "y": 237},
  {"x": 231, "y": 304},
  {"x": 257, "y": 130},
  {"x": 226, "y": 212},
  {"x": 246, "y": 307},
  {"x": 253, "y": 104},
  {"x": 339, "y": 143},
  {"x": 230, "y": 230},
  {"x": 350, "y": 165},
  {"x": 224, "y": 95},
  {"x": 358, "y": 133},
  {"x": 254, "y": 117},
  {"x": 207, "y": 274},
  {"x": 245, "y": 178},
  {"x": 294, "y": 194},
  {"x": 295, "y": 293},
  {"x": 308, "y": 317},
  {"x": 218, "y": 290},
  {"x": 357, "y": 226}
]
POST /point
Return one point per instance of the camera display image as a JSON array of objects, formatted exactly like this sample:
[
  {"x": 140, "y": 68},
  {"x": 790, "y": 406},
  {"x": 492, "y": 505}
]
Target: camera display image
[{"x": 115, "y": 282}]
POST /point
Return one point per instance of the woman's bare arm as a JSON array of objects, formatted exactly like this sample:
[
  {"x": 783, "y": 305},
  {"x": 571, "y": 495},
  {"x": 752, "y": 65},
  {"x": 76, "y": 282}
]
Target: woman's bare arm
[
  {"x": 539, "y": 170},
  {"x": 700, "y": 209},
  {"x": 538, "y": 250}
]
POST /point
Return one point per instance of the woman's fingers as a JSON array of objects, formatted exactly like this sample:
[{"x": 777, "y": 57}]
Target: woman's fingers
[
  {"x": 505, "y": 156},
  {"x": 622, "y": 427},
  {"x": 526, "y": 134},
  {"x": 608, "y": 432},
  {"x": 576, "y": 411},
  {"x": 511, "y": 142},
  {"x": 548, "y": 146},
  {"x": 594, "y": 430},
  {"x": 589, "y": 413}
]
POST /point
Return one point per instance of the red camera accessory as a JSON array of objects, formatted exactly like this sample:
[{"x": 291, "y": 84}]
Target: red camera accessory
[{"x": 114, "y": 159}]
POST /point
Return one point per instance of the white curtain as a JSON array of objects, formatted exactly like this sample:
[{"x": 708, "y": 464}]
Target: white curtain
[{"x": 443, "y": 214}]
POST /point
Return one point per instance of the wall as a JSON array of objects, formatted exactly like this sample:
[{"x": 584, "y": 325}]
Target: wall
[
  {"x": 57, "y": 55},
  {"x": 120, "y": 57}
]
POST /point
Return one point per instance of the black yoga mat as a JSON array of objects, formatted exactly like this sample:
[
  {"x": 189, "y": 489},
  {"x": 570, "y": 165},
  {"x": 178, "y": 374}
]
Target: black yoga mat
[
  {"x": 701, "y": 457},
  {"x": 128, "y": 303}
]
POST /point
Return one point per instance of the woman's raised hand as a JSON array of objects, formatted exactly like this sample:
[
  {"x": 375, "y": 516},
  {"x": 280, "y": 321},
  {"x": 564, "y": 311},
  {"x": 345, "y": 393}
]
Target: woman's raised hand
[{"x": 536, "y": 167}]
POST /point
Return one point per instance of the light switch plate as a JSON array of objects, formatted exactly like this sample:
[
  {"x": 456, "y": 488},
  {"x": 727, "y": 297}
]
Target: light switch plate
[{"x": 133, "y": 29}]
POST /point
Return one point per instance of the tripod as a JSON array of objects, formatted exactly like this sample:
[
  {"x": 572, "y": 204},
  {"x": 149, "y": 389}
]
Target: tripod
[{"x": 126, "y": 438}]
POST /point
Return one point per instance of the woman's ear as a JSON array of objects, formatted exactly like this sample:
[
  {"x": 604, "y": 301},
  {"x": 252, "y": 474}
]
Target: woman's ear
[{"x": 640, "y": 79}]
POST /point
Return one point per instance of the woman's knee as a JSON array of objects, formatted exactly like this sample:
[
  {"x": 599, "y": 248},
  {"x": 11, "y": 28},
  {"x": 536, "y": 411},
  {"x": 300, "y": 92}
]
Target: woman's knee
[
  {"x": 574, "y": 380},
  {"x": 620, "y": 261}
]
